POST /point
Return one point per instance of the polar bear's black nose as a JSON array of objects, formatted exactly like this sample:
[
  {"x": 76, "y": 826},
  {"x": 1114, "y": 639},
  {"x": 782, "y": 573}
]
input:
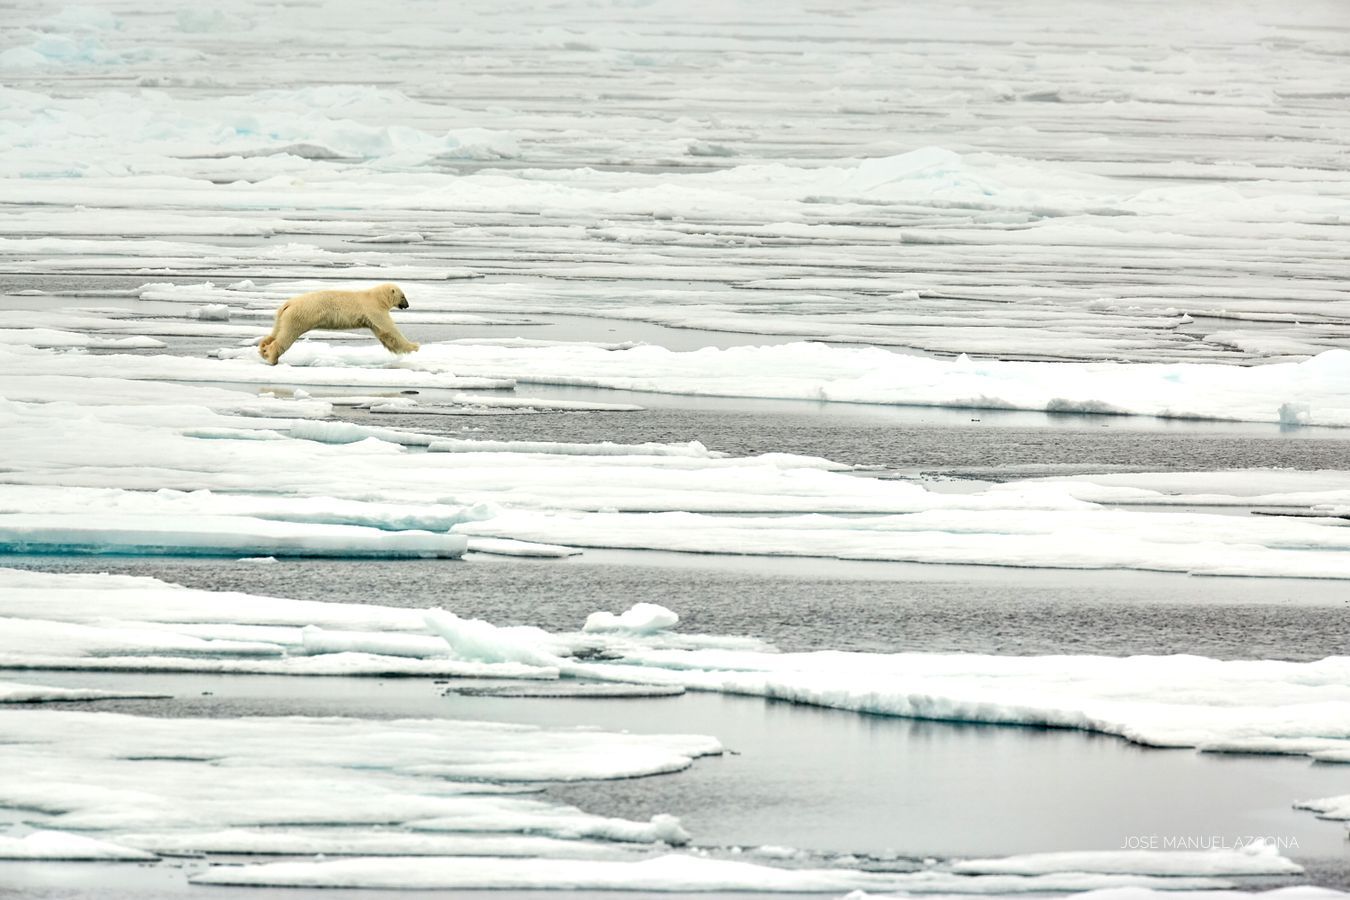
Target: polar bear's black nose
[{"x": 403, "y": 304}]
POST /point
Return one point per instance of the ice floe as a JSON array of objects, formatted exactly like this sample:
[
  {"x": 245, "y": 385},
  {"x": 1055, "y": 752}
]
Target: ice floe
[
  {"x": 640, "y": 618},
  {"x": 141, "y": 624},
  {"x": 1337, "y": 807},
  {"x": 872, "y": 375},
  {"x": 1063, "y": 197},
  {"x": 351, "y": 841},
  {"x": 60, "y": 845},
  {"x": 1261, "y": 706},
  {"x": 1253, "y": 858},
  {"x": 116, "y": 773},
  {"x": 15, "y": 692},
  {"x": 670, "y": 873},
  {"x": 48, "y": 337},
  {"x": 84, "y": 421},
  {"x": 215, "y": 536}
]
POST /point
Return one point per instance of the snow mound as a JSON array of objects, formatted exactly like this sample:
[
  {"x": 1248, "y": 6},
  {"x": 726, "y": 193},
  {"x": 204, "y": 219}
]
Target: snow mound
[
  {"x": 201, "y": 535},
  {"x": 60, "y": 845},
  {"x": 640, "y": 618},
  {"x": 668, "y": 873}
]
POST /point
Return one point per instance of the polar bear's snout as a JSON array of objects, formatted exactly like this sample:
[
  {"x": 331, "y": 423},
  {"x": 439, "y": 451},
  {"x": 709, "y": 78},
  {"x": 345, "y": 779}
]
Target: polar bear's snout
[{"x": 403, "y": 304}]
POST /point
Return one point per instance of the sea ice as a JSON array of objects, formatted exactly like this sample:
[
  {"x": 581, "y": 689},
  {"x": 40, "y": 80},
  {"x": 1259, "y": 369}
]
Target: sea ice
[
  {"x": 1263, "y": 706},
  {"x": 1330, "y": 807},
  {"x": 62, "y": 845},
  {"x": 14, "y": 692},
  {"x": 339, "y": 841},
  {"x": 669, "y": 873},
  {"x": 197, "y": 535},
  {"x": 49, "y": 337},
  {"x": 872, "y": 375},
  {"x": 1074, "y": 224},
  {"x": 1254, "y": 858},
  {"x": 84, "y": 769},
  {"x": 640, "y": 618}
]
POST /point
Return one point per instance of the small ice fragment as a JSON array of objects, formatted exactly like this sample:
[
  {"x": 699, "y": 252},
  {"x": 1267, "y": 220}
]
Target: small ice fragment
[
  {"x": 1295, "y": 413},
  {"x": 641, "y": 618}
]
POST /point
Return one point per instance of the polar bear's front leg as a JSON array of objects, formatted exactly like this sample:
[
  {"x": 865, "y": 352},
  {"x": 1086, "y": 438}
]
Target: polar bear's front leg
[{"x": 389, "y": 335}]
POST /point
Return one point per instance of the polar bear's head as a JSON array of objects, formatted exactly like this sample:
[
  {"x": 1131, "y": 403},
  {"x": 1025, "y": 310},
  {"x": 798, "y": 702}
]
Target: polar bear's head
[{"x": 392, "y": 295}]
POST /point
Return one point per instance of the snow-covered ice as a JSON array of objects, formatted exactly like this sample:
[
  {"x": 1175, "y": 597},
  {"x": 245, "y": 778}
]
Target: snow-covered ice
[
  {"x": 1254, "y": 858},
  {"x": 670, "y": 873},
  {"x": 1263, "y": 706},
  {"x": 63, "y": 845},
  {"x": 214, "y": 536},
  {"x": 80, "y": 421},
  {"x": 810, "y": 371},
  {"x": 640, "y": 618},
  {"x": 16, "y": 692},
  {"x": 1135, "y": 210}
]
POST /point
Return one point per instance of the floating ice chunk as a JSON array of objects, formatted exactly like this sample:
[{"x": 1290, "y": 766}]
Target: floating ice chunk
[
  {"x": 416, "y": 646},
  {"x": 195, "y": 20},
  {"x": 1320, "y": 489},
  {"x": 661, "y": 874},
  {"x": 139, "y": 624},
  {"x": 1174, "y": 701},
  {"x": 51, "y": 337},
  {"x": 507, "y": 547},
  {"x": 102, "y": 771},
  {"x": 396, "y": 237},
  {"x": 872, "y": 375},
  {"x": 435, "y": 517},
  {"x": 480, "y": 144},
  {"x": 693, "y": 449},
  {"x": 1196, "y": 543},
  {"x": 529, "y": 404},
  {"x": 1295, "y": 414},
  {"x": 199, "y": 535},
  {"x": 97, "y": 598},
  {"x": 338, "y": 665},
  {"x": 86, "y": 51},
  {"x": 1330, "y": 807},
  {"x": 337, "y": 841},
  {"x": 60, "y": 845},
  {"x": 36, "y": 639},
  {"x": 212, "y": 312},
  {"x": 569, "y": 689},
  {"x": 84, "y": 18},
  {"x": 474, "y": 639},
  {"x": 706, "y": 148},
  {"x": 640, "y": 618},
  {"x": 332, "y": 432},
  {"x": 669, "y": 873},
  {"x": 14, "y": 692},
  {"x": 1252, "y": 858}
]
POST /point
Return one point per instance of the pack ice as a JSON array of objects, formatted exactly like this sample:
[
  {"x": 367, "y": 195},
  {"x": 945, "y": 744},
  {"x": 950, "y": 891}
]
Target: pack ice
[{"x": 108, "y": 456}]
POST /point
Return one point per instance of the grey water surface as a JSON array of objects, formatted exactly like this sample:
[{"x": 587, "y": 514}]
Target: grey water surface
[{"x": 808, "y": 604}]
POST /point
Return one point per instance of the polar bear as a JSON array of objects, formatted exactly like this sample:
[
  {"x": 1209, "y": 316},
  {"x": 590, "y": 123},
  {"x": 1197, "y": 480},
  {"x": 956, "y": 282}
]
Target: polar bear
[{"x": 338, "y": 310}]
